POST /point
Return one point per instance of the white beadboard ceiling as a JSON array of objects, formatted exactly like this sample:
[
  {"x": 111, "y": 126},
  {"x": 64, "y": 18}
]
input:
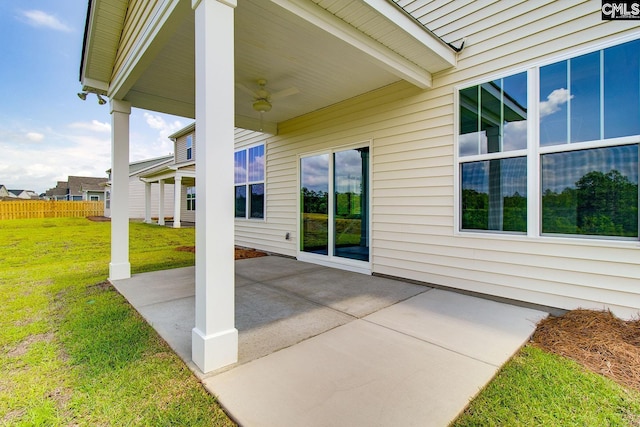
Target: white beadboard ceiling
[{"x": 275, "y": 43}]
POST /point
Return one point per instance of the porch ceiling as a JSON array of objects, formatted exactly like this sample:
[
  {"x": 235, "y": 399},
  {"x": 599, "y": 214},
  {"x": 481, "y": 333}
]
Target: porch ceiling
[{"x": 329, "y": 51}]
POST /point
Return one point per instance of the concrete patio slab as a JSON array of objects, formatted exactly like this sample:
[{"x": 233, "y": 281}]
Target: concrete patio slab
[
  {"x": 479, "y": 328},
  {"x": 359, "y": 374},
  {"x": 269, "y": 320},
  {"x": 322, "y": 347},
  {"x": 157, "y": 286},
  {"x": 272, "y": 267},
  {"x": 348, "y": 292}
]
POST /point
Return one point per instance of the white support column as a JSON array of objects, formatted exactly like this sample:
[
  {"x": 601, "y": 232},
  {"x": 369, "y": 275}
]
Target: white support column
[
  {"x": 214, "y": 338},
  {"x": 161, "y": 202},
  {"x": 147, "y": 202},
  {"x": 119, "y": 268},
  {"x": 177, "y": 201}
]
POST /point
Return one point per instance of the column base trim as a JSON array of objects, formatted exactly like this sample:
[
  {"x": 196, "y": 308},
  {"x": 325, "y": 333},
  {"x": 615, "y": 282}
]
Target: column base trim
[
  {"x": 211, "y": 352},
  {"x": 119, "y": 271}
]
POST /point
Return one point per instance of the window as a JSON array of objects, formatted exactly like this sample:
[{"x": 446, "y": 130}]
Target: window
[
  {"x": 493, "y": 138},
  {"x": 189, "y": 147},
  {"x": 586, "y": 142},
  {"x": 95, "y": 198},
  {"x": 191, "y": 198},
  {"x": 249, "y": 182},
  {"x": 107, "y": 200}
]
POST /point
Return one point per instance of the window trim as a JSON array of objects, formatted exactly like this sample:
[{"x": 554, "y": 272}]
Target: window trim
[
  {"x": 191, "y": 201},
  {"x": 534, "y": 153},
  {"x": 189, "y": 145}
]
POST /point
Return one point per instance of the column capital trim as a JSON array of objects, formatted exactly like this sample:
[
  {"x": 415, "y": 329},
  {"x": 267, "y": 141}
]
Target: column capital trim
[
  {"x": 119, "y": 106},
  {"x": 230, "y": 3}
]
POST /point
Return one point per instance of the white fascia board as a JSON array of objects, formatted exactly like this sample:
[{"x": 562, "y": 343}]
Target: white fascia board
[
  {"x": 166, "y": 163},
  {"x": 94, "y": 86},
  {"x": 409, "y": 26},
  {"x": 185, "y": 130},
  {"x": 385, "y": 57}
]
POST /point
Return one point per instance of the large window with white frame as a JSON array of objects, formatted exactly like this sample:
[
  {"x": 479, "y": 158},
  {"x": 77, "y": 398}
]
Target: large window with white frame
[
  {"x": 584, "y": 141},
  {"x": 249, "y": 182},
  {"x": 191, "y": 198}
]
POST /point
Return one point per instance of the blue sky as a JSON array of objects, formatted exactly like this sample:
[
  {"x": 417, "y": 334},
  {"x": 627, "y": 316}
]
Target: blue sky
[{"x": 46, "y": 132}]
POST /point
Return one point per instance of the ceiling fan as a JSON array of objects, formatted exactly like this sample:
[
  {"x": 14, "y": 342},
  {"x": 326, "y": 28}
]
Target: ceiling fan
[{"x": 262, "y": 97}]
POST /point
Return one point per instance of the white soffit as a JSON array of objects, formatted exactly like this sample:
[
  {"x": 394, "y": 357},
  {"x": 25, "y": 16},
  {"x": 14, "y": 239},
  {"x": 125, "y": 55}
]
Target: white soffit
[
  {"x": 391, "y": 26},
  {"x": 101, "y": 44}
]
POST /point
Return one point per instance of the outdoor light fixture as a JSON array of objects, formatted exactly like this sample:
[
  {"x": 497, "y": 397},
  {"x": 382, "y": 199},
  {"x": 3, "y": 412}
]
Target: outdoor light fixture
[
  {"x": 83, "y": 96},
  {"x": 261, "y": 105}
]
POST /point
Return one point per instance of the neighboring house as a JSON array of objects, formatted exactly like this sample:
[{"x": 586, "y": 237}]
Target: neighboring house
[
  {"x": 4, "y": 192},
  {"x": 177, "y": 174},
  {"x": 137, "y": 189},
  {"x": 249, "y": 177},
  {"x": 78, "y": 188},
  {"x": 445, "y": 143},
  {"x": 24, "y": 194},
  {"x": 17, "y": 194}
]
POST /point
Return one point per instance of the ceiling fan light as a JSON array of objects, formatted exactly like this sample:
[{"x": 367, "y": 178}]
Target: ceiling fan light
[{"x": 261, "y": 105}]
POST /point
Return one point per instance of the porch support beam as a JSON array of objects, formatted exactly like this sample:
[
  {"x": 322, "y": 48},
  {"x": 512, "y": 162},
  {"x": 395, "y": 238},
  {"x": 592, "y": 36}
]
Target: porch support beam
[
  {"x": 177, "y": 201},
  {"x": 147, "y": 202},
  {"x": 214, "y": 337},
  {"x": 161, "y": 202},
  {"x": 380, "y": 54},
  {"x": 119, "y": 267}
]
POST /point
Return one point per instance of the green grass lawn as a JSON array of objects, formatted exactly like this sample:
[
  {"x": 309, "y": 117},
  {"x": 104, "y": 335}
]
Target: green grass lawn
[{"x": 73, "y": 351}]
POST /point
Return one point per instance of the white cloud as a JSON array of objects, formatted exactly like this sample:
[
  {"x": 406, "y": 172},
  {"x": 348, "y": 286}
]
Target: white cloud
[
  {"x": 38, "y": 167},
  {"x": 554, "y": 101},
  {"x": 35, "y": 136},
  {"x": 142, "y": 148},
  {"x": 93, "y": 126},
  {"x": 40, "y": 19}
]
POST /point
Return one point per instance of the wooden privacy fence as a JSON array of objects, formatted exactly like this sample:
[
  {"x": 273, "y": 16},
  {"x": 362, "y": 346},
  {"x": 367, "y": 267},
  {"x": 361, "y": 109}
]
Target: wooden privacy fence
[{"x": 10, "y": 209}]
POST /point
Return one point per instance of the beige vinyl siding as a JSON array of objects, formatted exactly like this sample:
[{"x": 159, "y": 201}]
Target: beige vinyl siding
[
  {"x": 413, "y": 233},
  {"x": 186, "y": 215},
  {"x": 139, "y": 14},
  {"x": 254, "y": 232},
  {"x": 136, "y": 199},
  {"x": 181, "y": 148}
]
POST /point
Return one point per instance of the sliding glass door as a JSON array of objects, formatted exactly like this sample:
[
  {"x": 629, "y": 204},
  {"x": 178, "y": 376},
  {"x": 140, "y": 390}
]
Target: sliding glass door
[{"x": 334, "y": 203}]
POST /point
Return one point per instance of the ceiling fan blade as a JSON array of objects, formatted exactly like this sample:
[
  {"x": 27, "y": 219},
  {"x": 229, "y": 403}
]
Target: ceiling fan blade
[
  {"x": 284, "y": 93},
  {"x": 246, "y": 89}
]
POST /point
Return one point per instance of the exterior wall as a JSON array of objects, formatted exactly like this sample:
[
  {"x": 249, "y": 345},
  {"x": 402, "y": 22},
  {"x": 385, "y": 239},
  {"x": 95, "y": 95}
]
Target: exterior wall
[
  {"x": 186, "y": 215},
  {"x": 181, "y": 149},
  {"x": 265, "y": 233},
  {"x": 413, "y": 199},
  {"x": 136, "y": 199}
]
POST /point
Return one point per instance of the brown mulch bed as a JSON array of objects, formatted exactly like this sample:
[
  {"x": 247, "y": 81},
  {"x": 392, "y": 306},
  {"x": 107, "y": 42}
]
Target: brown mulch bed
[
  {"x": 241, "y": 253},
  {"x": 98, "y": 218},
  {"x": 598, "y": 340}
]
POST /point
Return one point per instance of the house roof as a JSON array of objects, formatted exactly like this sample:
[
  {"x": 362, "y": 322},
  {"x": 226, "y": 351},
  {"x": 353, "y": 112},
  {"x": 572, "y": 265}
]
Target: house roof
[
  {"x": 322, "y": 52},
  {"x": 140, "y": 166},
  {"x": 80, "y": 184},
  {"x": 184, "y": 131},
  {"x": 76, "y": 185}
]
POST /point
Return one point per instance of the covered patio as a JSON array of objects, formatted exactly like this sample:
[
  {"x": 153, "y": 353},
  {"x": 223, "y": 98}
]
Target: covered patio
[{"x": 320, "y": 346}]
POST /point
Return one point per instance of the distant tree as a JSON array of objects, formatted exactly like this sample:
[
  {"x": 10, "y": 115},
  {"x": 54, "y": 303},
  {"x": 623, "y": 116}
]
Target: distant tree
[{"x": 607, "y": 204}]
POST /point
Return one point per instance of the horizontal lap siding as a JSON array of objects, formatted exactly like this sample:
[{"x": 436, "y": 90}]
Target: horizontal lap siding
[
  {"x": 413, "y": 200},
  {"x": 417, "y": 240}
]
